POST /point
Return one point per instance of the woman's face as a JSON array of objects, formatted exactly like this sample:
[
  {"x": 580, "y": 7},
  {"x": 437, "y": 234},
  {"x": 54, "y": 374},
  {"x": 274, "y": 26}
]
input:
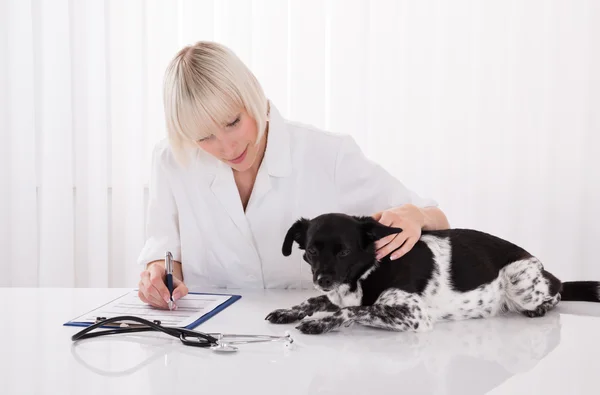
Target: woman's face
[{"x": 235, "y": 143}]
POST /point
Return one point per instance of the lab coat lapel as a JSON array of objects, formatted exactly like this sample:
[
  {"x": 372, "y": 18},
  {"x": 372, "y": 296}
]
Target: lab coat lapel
[
  {"x": 277, "y": 159},
  {"x": 262, "y": 185},
  {"x": 224, "y": 188}
]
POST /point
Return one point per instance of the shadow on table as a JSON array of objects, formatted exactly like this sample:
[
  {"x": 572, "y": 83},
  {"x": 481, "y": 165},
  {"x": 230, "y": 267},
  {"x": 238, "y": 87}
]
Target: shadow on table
[{"x": 463, "y": 357}]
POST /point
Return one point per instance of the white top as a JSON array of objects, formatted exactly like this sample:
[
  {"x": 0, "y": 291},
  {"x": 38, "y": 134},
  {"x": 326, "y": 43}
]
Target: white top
[{"x": 196, "y": 212}]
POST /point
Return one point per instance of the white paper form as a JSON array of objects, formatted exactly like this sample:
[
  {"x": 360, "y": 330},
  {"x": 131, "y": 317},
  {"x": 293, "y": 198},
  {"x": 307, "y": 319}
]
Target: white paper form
[{"x": 189, "y": 309}]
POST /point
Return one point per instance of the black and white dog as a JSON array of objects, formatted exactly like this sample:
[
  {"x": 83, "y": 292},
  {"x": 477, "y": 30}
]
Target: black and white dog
[{"x": 450, "y": 274}]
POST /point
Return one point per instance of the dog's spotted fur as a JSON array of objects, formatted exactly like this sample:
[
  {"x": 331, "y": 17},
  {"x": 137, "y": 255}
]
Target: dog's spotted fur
[
  {"x": 448, "y": 275},
  {"x": 306, "y": 308}
]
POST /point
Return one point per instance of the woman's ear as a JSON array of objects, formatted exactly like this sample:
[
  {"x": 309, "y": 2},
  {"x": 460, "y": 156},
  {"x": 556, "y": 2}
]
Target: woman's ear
[
  {"x": 372, "y": 230},
  {"x": 297, "y": 233}
]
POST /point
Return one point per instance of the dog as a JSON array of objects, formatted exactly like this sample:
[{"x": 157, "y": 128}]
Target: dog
[{"x": 452, "y": 274}]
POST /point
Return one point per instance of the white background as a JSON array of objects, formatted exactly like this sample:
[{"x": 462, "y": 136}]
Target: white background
[{"x": 492, "y": 108}]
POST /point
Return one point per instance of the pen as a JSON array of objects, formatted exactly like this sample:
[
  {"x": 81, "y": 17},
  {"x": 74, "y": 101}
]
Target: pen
[{"x": 169, "y": 271}]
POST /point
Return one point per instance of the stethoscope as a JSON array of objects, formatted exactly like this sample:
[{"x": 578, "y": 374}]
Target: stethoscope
[{"x": 214, "y": 341}]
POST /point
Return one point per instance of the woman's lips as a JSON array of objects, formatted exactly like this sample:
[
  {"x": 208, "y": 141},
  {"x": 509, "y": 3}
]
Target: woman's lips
[{"x": 240, "y": 158}]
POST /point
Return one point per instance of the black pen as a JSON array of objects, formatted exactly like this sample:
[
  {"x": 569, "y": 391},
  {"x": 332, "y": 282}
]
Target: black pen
[{"x": 169, "y": 271}]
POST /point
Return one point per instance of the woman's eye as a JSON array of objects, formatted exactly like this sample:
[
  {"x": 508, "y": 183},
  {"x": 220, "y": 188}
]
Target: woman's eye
[
  {"x": 344, "y": 252},
  {"x": 312, "y": 251},
  {"x": 234, "y": 122},
  {"x": 206, "y": 139}
]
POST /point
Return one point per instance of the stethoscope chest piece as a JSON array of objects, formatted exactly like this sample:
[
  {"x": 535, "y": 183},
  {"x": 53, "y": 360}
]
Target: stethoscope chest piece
[{"x": 224, "y": 348}]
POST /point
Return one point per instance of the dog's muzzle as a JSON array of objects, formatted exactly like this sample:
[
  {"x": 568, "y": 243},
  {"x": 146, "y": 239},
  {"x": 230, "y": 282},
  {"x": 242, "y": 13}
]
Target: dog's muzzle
[{"x": 324, "y": 282}]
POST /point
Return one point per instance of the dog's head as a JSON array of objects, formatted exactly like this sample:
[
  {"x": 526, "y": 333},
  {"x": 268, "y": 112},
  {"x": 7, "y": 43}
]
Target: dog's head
[{"x": 338, "y": 247}]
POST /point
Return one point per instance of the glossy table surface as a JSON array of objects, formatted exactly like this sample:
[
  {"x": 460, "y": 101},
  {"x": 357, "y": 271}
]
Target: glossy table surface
[{"x": 555, "y": 354}]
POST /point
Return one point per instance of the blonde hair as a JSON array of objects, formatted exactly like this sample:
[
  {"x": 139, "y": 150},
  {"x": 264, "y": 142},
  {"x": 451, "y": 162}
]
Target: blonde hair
[{"x": 205, "y": 86}]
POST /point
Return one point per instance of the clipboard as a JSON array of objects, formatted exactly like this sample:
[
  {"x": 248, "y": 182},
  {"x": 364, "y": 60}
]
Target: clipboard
[{"x": 192, "y": 319}]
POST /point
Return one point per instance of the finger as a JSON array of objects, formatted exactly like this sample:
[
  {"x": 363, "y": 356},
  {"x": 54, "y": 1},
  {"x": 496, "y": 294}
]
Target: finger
[
  {"x": 395, "y": 244},
  {"x": 146, "y": 283},
  {"x": 385, "y": 241},
  {"x": 144, "y": 275},
  {"x": 390, "y": 247},
  {"x": 154, "y": 302},
  {"x": 377, "y": 216},
  {"x": 386, "y": 218},
  {"x": 151, "y": 293},
  {"x": 408, "y": 245},
  {"x": 180, "y": 290},
  {"x": 154, "y": 298},
  {"x": 145, "y": 288},
  {"x": 382, "y": 243},
  {"x": 158, "y": 282},
  {"x": 141, "y": 293}
]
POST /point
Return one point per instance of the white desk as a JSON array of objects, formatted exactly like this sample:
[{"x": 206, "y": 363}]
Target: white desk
[{"x": 556, "y": 354}]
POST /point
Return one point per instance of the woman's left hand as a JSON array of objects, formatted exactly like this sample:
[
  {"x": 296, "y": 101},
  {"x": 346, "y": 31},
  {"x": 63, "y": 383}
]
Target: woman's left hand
[{"x": 407, "y": 217}]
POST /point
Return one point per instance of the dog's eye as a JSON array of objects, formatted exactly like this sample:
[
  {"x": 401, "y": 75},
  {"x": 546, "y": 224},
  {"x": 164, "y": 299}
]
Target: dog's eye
[{"x": 344, "y": 252}]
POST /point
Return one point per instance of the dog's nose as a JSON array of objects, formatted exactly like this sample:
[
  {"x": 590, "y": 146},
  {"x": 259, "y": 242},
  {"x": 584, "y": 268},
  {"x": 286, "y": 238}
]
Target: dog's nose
[{"x": 324, "y": 281}]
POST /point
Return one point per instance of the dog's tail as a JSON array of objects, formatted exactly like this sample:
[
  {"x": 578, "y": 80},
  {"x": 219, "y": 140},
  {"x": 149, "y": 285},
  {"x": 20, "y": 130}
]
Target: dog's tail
[{"x": 580, "y": 291}]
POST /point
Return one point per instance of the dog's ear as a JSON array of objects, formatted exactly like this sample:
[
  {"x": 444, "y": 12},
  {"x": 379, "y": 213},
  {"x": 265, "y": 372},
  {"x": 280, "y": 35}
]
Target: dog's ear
[
  {"x": 372, "y": 230},
  {"x": 297, "y": 233}
]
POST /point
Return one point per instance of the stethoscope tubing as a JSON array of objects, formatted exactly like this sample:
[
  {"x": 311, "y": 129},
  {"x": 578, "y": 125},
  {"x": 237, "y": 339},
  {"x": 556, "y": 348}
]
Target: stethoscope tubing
[{"x": 184, "y": 335}]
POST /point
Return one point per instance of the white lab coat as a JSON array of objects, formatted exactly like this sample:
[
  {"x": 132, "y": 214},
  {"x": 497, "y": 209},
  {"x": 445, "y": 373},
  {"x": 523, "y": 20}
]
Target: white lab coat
[{"x": 197, "y": 215}]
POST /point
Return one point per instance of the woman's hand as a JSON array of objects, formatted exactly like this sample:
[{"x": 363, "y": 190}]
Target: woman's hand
[
  {"x": 152, "y": 287},
  {"x": 407, "y": 217}
]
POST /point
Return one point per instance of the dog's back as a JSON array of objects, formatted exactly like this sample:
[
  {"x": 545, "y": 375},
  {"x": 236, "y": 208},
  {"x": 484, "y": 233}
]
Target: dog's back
[{"x": 470, "y": 258}]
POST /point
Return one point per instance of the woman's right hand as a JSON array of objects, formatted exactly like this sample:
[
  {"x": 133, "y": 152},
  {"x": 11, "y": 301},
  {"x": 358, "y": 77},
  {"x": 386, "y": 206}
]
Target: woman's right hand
[{"x": 152, "y": 287}]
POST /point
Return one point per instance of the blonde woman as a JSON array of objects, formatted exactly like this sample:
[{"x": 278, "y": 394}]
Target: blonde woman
[{"x": 233, "y": 175}]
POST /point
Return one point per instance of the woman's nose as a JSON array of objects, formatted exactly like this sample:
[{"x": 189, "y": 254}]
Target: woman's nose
[
  {"x": 229, "y": 148},
  {"x": 230, "y": 153}
]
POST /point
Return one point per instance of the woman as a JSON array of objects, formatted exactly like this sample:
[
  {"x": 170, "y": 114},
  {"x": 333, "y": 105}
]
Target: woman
[{"x": 233, "y": 176}]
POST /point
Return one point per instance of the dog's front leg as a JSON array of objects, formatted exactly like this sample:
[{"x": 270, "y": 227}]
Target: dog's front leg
[
  {"x": 341, "y": 317},
  {"x": 298, "y": 312},
  {"x": 393, "y": 310}
]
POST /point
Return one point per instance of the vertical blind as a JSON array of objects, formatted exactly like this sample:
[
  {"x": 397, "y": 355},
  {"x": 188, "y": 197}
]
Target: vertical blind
[{"x": 491, "y": 108}]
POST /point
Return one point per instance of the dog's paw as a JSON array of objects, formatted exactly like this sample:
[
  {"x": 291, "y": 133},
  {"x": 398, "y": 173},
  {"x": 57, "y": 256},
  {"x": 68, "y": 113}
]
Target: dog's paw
[
  {"x": 284, "y": 316},
  {"x": 315, "y": 326},
  {"x": 540, "y": 311}
]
